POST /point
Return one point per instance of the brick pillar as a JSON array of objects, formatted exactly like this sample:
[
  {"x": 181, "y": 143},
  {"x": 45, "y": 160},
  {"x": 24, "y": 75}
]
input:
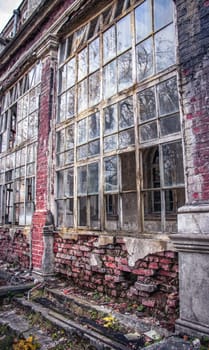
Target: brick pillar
[
  {"x": 192, "y": 240},
  {"x": 42, "y": 224}
]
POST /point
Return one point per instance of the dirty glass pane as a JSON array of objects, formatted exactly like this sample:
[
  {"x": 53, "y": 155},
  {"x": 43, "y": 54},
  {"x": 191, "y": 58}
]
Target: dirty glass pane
[
  {"x": 147, "y": 107},
  {"x": 168, "y": 97},
  {"x": 128, "y": 171},
  {"x": 29, "y": 209},
  {"x": 126, "y": 138},
  {"x": 143, "y": 20},
  {"x": 163, "y": 13},
  {"x": 94, "y": 148},
  {"x": 69, "y": 212},
  {"x": 170, "y": 125},
  {"x": 129, "y": 210},
  {"x": 69, "y": 157},
  {"x": 68, "y": 188},
  {"x": 110, "y": 119},
  {"x": 94, "y": 58},
  {"x": 62, "y": 107},
  {"x": 62, "y": 51},
  {"x": 148, "y": 131},
  {"x": 82, "y": 207},
  {"x": 124, "y": 71},
  {"x": 110, "y": 143},
  {"x": 110, "y": 79},
  {"x": 94, "y": 88},
  {"x": 70, "y": 68},
  {"x": 82, "y": 180},
  {"x": 109, "y": 44},
  {"x": 60, "y": 184},
  {"x": 32, "y": 100},
  {"x": 79, "y": 37},
  {"x": 21, "y": 214},
  {"x": 165, "y": 48},
  {"x": 62, "y": 79},
  {"x": 25, "y": 107},
  {"x": 94, "y": 126},
  {"x": 173, "y": 164},
  {"x": 82, "y": 95},
  {"x": 126, "y": 116},
  {"x": 110, "y": 174},
  {"x": 23, "y": 130},
  {"x": 144, "y": 59},
  {"x": 174, "y": 199},
  {"x": 69, "y": 137},
  {"x": 94, "y": 211},
  {"x": 30, "y": 169},
  {"x": 33, "y": 125},
  {"x": 93, "y": 178},
  {"x": 60, "y": 213},
  {"x": 82, "y": 131},
  {"x": 60, "y": 159},
  {"x": 61, "y": 141},
  {"x": 82, "y": 64},
  {"x": 112, "y": 206},
  {"x": 31, "y": 153},
  {"x": 124, "y": 34},
  {"x": 70, "y": 103},
  {"x": 82, "y": 152}
]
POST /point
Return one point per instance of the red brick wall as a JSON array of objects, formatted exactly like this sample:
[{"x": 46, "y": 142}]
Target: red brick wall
[
  {"x": 152, "y": 282},
  {"x": 14, "y": 247}
]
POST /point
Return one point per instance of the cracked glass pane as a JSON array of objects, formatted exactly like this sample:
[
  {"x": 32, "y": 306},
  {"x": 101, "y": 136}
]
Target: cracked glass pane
[
  {"x": 126, "y": 116},
  {"x": 124, "y": 34},
  {"x": 125, "y": 71},
  {"x": 110, "y": 119},
  {"x": 110, "y": 174},
  {"x": 164, "y": 48},
  {"x": 109, "y": 44},
  {"x": 94, "y": 57},
  {"x": 147, "y": 106},
  {"x": 168, "y": 97},
  {"x": 144, "y": 59},
  {"x": 143, "y": 20}
]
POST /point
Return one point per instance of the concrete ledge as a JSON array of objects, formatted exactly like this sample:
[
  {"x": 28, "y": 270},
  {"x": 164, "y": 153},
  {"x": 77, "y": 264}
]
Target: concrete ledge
[{"x": 192, "y": 328}]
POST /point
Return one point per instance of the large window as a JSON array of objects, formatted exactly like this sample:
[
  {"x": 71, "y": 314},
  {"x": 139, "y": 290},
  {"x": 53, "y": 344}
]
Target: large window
[
  {"x": 18, "y": 142},
  {"x": 118, "y": 94}
]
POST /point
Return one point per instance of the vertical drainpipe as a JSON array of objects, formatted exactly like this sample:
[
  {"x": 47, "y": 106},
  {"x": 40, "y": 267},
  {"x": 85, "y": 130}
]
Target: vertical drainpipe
[{"x": 16, "y": 14}]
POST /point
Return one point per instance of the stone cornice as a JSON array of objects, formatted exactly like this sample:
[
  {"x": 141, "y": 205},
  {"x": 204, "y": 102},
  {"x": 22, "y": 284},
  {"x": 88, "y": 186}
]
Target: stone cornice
[{"x": 190, "y": 243}]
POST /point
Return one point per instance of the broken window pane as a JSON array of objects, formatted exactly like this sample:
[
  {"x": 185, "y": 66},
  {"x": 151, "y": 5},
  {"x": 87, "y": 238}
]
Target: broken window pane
[
  {"x": 126, "y": 116},
  {"x": 82, "y": 204},
  {"x": 128, "y": 171},
  {"x": 124, "y": 34},
  {"x": 109, "y": 44},
  {"x": 173, "y": 164},
  {"x": 95, "y": 26},
  {"x": 69, "y": 212},
  {"x": 33, "y": 125},
  {"x": 82, "y": 64},
  {"x": 79, "y": 37},
  {"x": 82, "y": 131},
  {"x": 70, "y": 68},
  {"x": 164, "y": 48},
  {"x": 129, "y": 209},
  {"x": 163, "y": 13},
  {"x": 152, "y": 210},
  {"x": 110, "y": 174},
  {"x": 94, "y": 211},
  {"x": 60, "y": 184},
  {"x": 170, "y": 125},
  {"x": 69, "y": 183},
  {"x": 143, "y": 20},
  {"x": 151, "y": 168},
  {"x": 94, "y": 57},
  {"x": 125, "y": 71},
  {"x": 110, "y": 79},
  {"x": 70, "y": 103},
  {"x": 126, "y": 138},
  {"x": 82, "y": 180},
  {"x": 147, "y": 107},
  {"x": 82, "y": 95},
  {"x": 94, "y": 126},
  {"x": 94, "y": 88},
  {"x": 94, "y": 148},
  {"x": 110, "y": 119},
  {"x": 93, "y": 178},
  {"x": 168, "y": 97},
  {"x": 110, "y": 143},
  {"x": 144, "y": 59},
  {"x": 148, "y": 131},
  {"x": 60, "y": 213}
]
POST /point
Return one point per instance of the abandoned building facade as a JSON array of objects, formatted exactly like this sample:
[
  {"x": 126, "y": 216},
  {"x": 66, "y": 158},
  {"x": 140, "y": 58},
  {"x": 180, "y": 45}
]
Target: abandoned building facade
[{"x": 104, "y": 148}]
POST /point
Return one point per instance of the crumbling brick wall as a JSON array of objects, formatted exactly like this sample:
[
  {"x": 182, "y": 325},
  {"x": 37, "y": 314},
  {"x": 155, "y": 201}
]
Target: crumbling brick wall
[{"x": 14, "y": 247}]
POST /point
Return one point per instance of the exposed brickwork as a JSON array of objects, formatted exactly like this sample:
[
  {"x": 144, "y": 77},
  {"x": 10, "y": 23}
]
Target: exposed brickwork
[
  {"x": 106, "y": 270},
  {"x": 193, "y": 32},
  {"x": 14, "y": 247}
]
